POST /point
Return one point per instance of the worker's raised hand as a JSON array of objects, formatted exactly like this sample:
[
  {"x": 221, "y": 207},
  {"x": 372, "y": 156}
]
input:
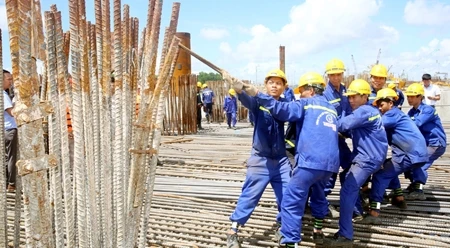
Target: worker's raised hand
[
  {"x": 250, "y": 89},
  {"x": 235, "y": 83}
]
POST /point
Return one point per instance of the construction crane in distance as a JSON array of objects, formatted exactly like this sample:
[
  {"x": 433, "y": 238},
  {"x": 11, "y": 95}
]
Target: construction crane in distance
[
  {"x": 354, "y": 67},
  {"x": 378, "y": 56}
]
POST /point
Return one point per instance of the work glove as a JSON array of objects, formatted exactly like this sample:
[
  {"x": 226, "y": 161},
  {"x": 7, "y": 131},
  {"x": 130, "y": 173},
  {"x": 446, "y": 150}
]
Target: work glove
[
  {"x": 251, "y": 90},
  {"x": 235, "y": 83}
]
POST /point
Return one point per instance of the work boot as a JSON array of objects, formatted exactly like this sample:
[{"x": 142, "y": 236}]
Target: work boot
[
  {"x": 229, "y": 127},
  {"x": 234, "y": 128},
  {"x": 371, "y": 220},
  {"x": 318, "y": 238},
  {"x": 399, "y": 201},
  {"x": 332, "y": 212},
  {"x": 233, "y": 241},
  {"x": 340, "y": 241},
  {"x": 357, "y": 217},
  {"x": 416, "y": 195}
]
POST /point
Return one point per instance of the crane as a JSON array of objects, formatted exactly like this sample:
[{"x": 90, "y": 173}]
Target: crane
[
  {"x": 354, "y": 66},
  {"x": 378, "y": 56}
]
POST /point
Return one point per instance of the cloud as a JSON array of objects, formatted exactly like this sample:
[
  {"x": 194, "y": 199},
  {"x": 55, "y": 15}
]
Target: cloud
[
  {"x": 3, "y": 20},
  {"x": 214, "y": 33},
  {"x": 225, "y": 47},
  {"x": 427, "y": 12},
  {"x": 314, "y": 26}
]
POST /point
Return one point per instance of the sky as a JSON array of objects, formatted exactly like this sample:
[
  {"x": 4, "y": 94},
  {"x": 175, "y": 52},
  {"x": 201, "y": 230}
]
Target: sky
[{"x": 243, "y": 37}]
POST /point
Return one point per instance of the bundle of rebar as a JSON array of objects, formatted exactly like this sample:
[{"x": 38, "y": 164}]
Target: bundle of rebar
[{"x": 102, "y": 197}]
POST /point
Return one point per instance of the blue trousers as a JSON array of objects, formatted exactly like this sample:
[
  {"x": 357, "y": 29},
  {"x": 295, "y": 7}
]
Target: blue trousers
[
  {"x": 349, "y": 194},
  {"x": 231, "y": 119},
  {"x": 388, "y": 177},
  {"x": 260, "y": 172},
  {"x": 295, "y": 197},
  {"x": 345, "y": 160},
  {"x": 420, "y": 174}
]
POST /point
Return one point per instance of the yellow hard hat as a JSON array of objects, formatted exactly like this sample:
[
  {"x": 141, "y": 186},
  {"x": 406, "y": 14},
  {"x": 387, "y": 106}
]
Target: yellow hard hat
[
  {"x": 384, "y": 94},
  {"x": 276, "y": 73},
  {"x": 312, "y": 79},
  {"x": 232, "y": 92},
  {"x": 358, "y": 86},
  {"x": 199, "y": 84},
  {"x": 204, "y": 86},
  {"x": 415, "y": 89},
  {"x": 335, "y": 66},
  {"x": 379, "y": 71},
  {"x": 391, "y": 86}
]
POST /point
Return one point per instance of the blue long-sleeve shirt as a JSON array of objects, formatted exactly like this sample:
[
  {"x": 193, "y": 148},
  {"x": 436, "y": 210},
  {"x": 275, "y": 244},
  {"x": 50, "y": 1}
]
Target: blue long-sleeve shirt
[
  {"x": 429, "y": 124},
  {"x": 207, "y": 95},
  {"x": 230, "y": 104},
  {"x": 337, "y": 99},
  {"x": 372, "y": 96},
  {"x": 289, "y": 94},
  {"x": 368, "y": 135},
  {"x": 401, "y": 98},
  {"x": 404, "y": 137},
  {"x": 268, "y": 133},
  {"x": 316, "y": 131}
]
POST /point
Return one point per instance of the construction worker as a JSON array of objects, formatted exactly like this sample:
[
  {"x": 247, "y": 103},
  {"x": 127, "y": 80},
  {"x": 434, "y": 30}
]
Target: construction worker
[
  {"x": 268, "y": 162},
  {"x": 369, "y": 151},
  {"x": 230, "y": 109},
  {"x": 199, "y": 106},
  {"x": 208, "y": 102},
  {"x": 409, "y": 151},
  {"x": 401, "y": 98},
  {"x": 11, "y": 134},
  {"x": 429, "y": 124},
  {"x": 334, "y": 93},
  {"x": 288, "y": 94},
  {"x": 317, "y": 159},
  {"x": 432, "y": 91},
  {"x": 378, "y": 76}
]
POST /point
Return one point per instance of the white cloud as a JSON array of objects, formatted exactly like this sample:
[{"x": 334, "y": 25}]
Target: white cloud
[
  {"x": 427, "y": 12},
  {"x": 314, "y": 26},
  {"x": 3, "y": 20},
  {"x": 214, "y": 33},
  {"x": 225, "y": 47}
]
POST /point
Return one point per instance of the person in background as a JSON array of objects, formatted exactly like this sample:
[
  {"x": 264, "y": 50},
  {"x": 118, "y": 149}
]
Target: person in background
[
  {"x": 199, "y": 106},
  {"x": 378, "y": 77},
  {"x": 401, "y": 98},
  {"x": 230, "y": 108},
  {"x": 429, "y": 124},
  {"x": 268, "y": 162},
  {"x": 208, "y": 102},
  {"x": 432, "y": 92},
  {"x": 11, "y": 135}
]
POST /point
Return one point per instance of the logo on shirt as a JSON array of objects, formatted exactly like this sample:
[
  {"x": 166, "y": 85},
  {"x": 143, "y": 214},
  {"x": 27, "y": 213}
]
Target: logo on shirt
[{"x": 329, "y": 121}]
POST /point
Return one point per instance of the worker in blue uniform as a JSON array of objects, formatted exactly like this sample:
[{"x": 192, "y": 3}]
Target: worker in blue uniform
[
  {"x": 317, "y": 157},
  {"x": 429, "y": 124},
  {"x": 334, "y": 93},
  {"x": 378, "y": 77},
  {"x": 208, "y": 98},
  {"x": 268, "y": 162},
  {"x": 401, "y": 97},
  {"x": 230, "y": 108},
  {"x": 369, "y": 151},
  {"x": 409, "y": 151}
]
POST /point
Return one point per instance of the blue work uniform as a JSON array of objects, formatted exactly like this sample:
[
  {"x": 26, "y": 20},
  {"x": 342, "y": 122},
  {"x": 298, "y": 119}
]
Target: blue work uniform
[
  {"x": 230, "y": 108},
  {"x": 369, "y": 151},
  {"x": 401, "y": 98},
  {"x": 409, "y": 150},
  {"x": 372, "y": 96},
  {"x": 429, "y": 124},
  {"x": 289, "y": 94},
  {"x": 343, "y": 108},
  {"x": 316, "y": 158},
  {"x": 207, "y": 97},
  {"x": 268, "y": 162}
]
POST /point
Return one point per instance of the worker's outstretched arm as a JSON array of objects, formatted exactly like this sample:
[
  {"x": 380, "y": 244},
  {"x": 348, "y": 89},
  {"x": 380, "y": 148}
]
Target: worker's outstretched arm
[
  {"x": 358, "y": 118},
  {"x": 248, "y": 101},
  {"x": 283, "y": 111}
]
